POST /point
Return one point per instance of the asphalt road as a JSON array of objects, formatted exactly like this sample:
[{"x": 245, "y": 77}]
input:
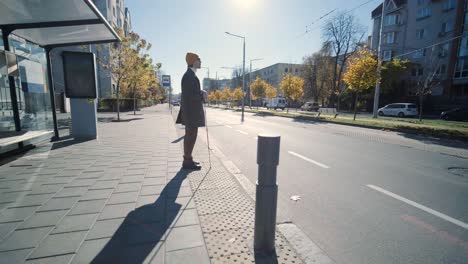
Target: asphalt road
[{"x": 367, "y": 196}]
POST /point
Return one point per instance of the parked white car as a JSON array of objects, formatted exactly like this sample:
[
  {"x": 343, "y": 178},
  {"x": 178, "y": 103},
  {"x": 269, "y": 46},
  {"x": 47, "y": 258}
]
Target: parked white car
[
  {"x": 399, "y": 109},
  {"x": 276, "y": 103}
]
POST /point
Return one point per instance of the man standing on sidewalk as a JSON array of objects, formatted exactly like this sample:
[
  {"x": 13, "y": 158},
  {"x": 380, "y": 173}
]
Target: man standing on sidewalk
[{"x": 191, "y": 113}]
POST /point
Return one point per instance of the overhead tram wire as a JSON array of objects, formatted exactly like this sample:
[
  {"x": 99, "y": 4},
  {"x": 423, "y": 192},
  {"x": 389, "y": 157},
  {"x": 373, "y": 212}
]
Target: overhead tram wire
[
  {"x": 330, "y": 12},
  {"x": 432, "y": 45}
]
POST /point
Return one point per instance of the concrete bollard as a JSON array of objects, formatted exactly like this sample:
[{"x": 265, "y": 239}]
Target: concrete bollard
[{"x": 266, "y": 194}]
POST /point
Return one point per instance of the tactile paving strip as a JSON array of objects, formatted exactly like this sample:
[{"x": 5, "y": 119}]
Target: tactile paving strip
[
  {"x": 227, "y": 215},
  {"x": 227, "y": 221},
  {"x": 233, "y": 246}
]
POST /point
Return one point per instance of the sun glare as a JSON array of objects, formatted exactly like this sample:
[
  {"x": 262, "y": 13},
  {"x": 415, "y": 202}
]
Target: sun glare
[{"x": 244, "y": 3}]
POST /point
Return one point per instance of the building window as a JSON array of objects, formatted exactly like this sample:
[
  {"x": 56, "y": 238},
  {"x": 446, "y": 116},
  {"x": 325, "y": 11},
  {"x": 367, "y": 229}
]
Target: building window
[
  {"x": 441, "y": 70},
  {"x": 113, "y": 9},
  {"x": 447, "y": 26},
  {"x": 424, "y": 12},
  {"x": 444, "y": 49},
  {"x": 420, "y": 33},
  {"x": 449, "y": 4},
  {"x": 389, "y": 38},
  {"x": 421, "y": 2},
  {"x": 461, "y": 71},
  {"x": 387, "y": 55},
  {"x": 465, "y": 22},
  {"x": 420, "y": 71},
  {"x": 109, "y": 4},
  {"x": 419, "y": 53},
  {"x": 391, "y": 20},
  {"x": 286, "y": 70},
  {"x": 463, "y": 48}
]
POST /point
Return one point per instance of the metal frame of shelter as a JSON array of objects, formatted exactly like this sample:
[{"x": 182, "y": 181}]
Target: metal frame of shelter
[{"x": 7, "y": 29}]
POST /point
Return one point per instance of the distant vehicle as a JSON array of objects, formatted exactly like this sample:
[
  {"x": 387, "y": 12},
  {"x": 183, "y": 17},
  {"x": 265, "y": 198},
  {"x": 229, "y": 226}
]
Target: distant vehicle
[
  {"x": 175, "y": 103},
  {"x": 310, "y": 106},
  {"x": 400, "y": 110},
  {"x": 457, "y": 114},
  {"x": 276, "y": 103}
]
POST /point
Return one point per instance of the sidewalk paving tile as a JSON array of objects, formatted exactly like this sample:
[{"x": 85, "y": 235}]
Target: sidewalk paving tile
[
  {"x": 52, "y": 260},
  {"x": 151, "y": 189},
  {"x": 7, "y": 228},
  {"x": 58, "y": 244},
  {"x": 184, "y": 237},
  {"x": 104, "y": 185},
  {"x": 26, "y": 238},
  {"x": 192, "y": 255},
  {"x": 73, "y": 223},
  {"x": 96, "y": 194},
  {"x": 183, "y": 218},
  {"x": 116, "y": 211},
  {"x": 71, "y": 192},
  {"x": 31, "y": 200},
  {"x": 17, "y": 214},
  {"x": 88, "y": 207},
  {"x": 121, "y": 198},
  {"x": 127, "y": 187},
  {"x": 15, "y": 256},
  {"x": 104, "y": 228},
  {"x": 43, "y": 219},
  {"x": 88, "y": 250},
  {"x": 59, "y": 204}
]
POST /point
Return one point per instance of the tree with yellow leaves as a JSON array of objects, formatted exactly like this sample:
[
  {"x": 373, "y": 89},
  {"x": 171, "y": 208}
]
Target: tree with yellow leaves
[
  {"x": 225, "y": 94},
  {"x": 237, "y": 94},
  {"x": 271, "y": 92},
  {"x": 292, "y": 87},
  {"x": 361, "y": 74},
  {"x": 258, "y": 88},
  {"x": 217, "y": 96}
]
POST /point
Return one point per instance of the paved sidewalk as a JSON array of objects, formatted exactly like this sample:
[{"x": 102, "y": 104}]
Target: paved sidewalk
[{"x": 124, "y": 199}]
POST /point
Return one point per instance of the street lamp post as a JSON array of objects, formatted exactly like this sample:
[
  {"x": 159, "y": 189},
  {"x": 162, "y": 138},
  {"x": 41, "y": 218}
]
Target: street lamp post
[
  {"x": 379, "y": 64},
  {"x": 250, "y": 80},
  {"x": 243, "y": 74}
]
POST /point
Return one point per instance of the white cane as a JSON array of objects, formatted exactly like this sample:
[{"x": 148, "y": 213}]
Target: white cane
[{"x": 207, "y": 138}]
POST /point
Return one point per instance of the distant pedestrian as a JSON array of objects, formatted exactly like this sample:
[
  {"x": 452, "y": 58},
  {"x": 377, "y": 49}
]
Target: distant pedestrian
[{"x": 191, "y": 113}]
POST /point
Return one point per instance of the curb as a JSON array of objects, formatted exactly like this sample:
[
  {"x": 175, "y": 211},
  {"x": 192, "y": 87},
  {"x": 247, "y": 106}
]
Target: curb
[
  {"x": 440, "y": 135},
  {"x": 310, "y": 252}
]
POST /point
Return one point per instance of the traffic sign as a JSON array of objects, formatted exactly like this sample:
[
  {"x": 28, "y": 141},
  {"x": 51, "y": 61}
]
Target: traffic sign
[{"x": 166, "y": 80}]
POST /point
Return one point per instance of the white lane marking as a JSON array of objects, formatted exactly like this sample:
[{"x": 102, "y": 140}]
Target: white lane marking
[
  {"x": 242, "y": 132},
  {"x": 228, "y": 126},
  {"x": 420, "y": 206},
  {"x": 309, "y": 160}
]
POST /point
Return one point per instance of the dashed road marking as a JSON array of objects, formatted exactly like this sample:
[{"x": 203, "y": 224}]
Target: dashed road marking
[
  {"x": 242, "y": 132},
  {"x": 419, "y": 206},
  {"x": 309, "y": 160},
  {"x": 228, "y": 126}
]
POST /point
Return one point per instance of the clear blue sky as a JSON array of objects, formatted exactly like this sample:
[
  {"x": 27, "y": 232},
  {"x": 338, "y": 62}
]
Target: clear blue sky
[{"x": 272, "y": 29}]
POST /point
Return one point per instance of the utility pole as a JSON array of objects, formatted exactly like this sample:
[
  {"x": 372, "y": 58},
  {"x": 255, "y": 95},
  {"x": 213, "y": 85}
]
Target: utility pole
[
  {"x": 250, "y": 80},
  {"x": 243, "y": 84},
  {"x": 379, "y": 63},
  {"x": 243, "y": 73}
]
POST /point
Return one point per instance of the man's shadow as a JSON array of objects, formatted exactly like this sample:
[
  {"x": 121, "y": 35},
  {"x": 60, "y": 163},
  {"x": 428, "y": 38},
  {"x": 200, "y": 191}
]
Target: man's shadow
[{"x": 143, "y": 229}]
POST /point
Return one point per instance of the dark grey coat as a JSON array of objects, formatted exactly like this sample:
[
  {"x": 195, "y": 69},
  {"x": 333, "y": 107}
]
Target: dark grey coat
[{"x": 191, "y": 112}]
